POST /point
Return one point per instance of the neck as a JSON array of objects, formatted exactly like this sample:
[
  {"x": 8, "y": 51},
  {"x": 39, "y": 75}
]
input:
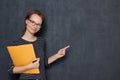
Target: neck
[{"x": 29, "y": 37}]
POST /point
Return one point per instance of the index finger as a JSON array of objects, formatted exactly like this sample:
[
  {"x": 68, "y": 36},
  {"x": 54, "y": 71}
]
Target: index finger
[{"x": 66, "y": 47}]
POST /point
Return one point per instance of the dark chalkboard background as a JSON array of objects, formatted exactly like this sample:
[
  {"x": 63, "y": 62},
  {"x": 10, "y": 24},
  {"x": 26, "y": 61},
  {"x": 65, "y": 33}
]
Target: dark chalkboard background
[{"x": 91, "y": 27}]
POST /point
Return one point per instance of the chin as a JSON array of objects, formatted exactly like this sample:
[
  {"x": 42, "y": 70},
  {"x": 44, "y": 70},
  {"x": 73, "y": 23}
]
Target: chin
[{"x": 32, "y": 32}]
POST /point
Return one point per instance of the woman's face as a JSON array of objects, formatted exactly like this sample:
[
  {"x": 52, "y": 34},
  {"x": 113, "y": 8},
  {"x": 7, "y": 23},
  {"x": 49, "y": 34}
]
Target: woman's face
[{"x": 33, "y": 24}]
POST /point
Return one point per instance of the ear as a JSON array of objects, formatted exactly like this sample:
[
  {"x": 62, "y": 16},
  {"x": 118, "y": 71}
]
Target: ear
[{"x": 26, "y": 21}]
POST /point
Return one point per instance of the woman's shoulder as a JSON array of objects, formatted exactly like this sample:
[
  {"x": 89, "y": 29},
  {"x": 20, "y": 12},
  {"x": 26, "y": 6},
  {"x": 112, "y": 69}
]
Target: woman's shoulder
[
  {"x": 20, "y": 41},
  {"x": 40, "y": 39},
  {"x": 17, "y": 41}
]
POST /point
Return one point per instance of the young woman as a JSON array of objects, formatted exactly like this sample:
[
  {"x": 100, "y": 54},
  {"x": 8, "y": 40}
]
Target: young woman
[{"x": 33, "y": 21}]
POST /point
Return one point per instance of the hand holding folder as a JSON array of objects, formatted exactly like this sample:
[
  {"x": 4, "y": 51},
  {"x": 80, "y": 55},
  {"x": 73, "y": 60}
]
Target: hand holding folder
[{"x": 22, "y": 55}]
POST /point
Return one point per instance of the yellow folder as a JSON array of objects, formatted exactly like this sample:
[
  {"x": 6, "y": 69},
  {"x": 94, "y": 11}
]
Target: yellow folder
[{"x": 22, "y": 55}]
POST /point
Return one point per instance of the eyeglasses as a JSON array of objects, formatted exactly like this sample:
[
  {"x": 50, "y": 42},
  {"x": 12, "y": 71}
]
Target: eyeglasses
[{"x": 33, "y": 23}]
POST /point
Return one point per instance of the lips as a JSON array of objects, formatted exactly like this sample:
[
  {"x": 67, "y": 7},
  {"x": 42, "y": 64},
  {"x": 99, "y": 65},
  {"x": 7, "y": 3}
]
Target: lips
[{"x": 34, "y": 28}]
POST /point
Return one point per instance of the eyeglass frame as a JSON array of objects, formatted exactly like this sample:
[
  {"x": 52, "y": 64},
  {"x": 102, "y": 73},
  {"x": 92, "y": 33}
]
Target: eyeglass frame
[{"x": 34, "y": 23}]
